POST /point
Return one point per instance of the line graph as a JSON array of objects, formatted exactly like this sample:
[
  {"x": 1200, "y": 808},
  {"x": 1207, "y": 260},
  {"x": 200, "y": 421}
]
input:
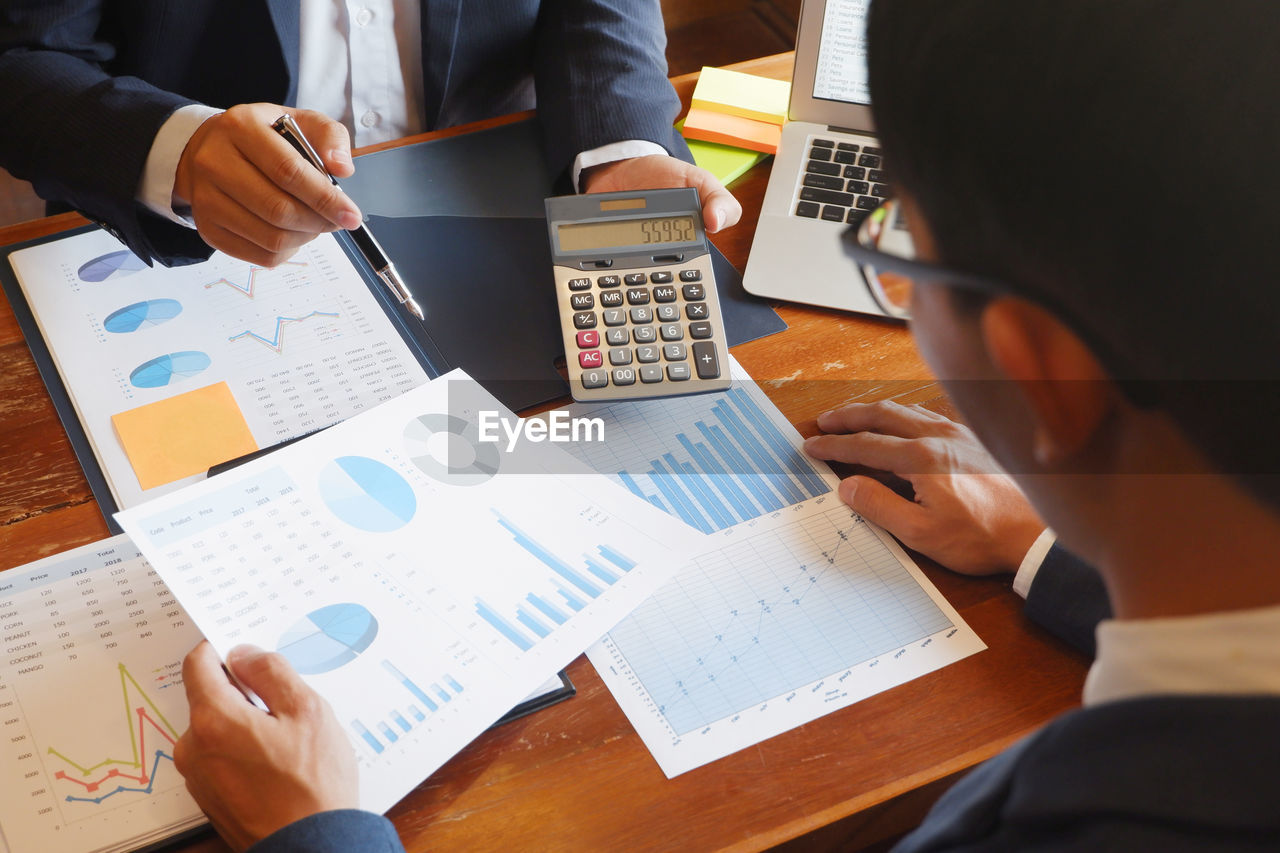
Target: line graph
[
  {"x": 142, "y": 715},
  {"x": 275, "y": 342},
  {"x": 770, "y": 614},
  {"x": 249, "y": 288}
]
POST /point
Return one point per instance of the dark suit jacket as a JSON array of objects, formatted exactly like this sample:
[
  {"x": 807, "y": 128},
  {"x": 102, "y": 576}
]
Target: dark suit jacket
[
  {"x": 86, "y": 84},
  {"x": 1166, "y": 773}
]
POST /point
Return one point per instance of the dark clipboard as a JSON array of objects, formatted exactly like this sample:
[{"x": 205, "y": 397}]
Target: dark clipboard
[{"x": 463, "y": 219}]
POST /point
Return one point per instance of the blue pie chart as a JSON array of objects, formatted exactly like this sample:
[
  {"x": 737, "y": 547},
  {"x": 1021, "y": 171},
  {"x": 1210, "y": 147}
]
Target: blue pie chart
[
  {"x": 174, "y": 367},
  {"x": 133, "y": 317},
  {"x": 115, "y": 265},
  {"x": 367, "y": 494},
  {"x": 327, "y": 638}
]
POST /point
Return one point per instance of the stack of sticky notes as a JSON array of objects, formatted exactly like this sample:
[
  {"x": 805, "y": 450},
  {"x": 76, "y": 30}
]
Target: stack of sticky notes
[{"x": 736, "y": 109}]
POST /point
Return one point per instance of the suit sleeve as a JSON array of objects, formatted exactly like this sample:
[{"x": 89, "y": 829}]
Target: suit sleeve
[
  {"x": 1068, "y": 599},
  {"x": 338, "y": 831},
  {"x": 601, "y": 76},
  {"x": 80, "y": 135}
]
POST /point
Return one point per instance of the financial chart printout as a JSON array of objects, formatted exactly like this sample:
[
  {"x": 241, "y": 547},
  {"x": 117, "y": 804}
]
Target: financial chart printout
[
  {"x": 91, "y": 703},
  {"x": 422, "y": 580},
  {"x": 796, "y": 609},
  {"x": 841, "y": 74},
  {"x": 300, "y": 346}
]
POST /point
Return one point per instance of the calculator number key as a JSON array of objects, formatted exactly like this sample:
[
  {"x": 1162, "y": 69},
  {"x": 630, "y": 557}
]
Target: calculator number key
[
  {"x": 595, "y": 378},
  {"x": 624, "y": 376}
]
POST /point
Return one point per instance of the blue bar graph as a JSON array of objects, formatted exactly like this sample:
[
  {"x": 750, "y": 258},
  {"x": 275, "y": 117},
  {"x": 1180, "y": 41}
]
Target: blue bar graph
[
  {"x": 547, "y": 609},
  {"x": 537, "y": 613},
  {"x": 505, "y": 628},
  {"x": 620, "y": 560},
  {"x": 417, "y": 715},
  {"x": 442, "y": 693},
  {"x": 368, "y": 736},
  {"x": 556, "y": 565},
  {"x": 712, "y": 461},
  {"x": 453, "y": 682},
  {"x": 600, "y": 571},
  {"x": 388, "y": 732},
  {"x": 531, "y": 622},
  {"x": 417, "y": 691},
  {"x": 400, "y": 720}
]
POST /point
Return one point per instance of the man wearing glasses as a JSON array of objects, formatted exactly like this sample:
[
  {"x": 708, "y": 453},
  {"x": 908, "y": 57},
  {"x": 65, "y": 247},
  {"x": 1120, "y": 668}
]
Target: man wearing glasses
[{"x": 1109, "y": 330}]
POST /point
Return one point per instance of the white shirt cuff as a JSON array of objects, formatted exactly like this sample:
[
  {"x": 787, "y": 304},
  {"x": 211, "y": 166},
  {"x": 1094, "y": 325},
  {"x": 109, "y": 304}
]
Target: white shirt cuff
[
  {"x": 1032, "y": 561},
  {"x": 612, "y": 153},
  {"x": 155, "y": 191}
]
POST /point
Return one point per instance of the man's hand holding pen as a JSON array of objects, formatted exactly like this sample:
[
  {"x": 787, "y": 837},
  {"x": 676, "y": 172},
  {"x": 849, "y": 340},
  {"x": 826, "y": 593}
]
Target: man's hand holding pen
[{"x": 251, "y": 194}]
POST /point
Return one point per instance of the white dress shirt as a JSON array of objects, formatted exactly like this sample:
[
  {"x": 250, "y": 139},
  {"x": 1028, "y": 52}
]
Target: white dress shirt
[
  {"x": 360, "y": 62},
  {"x": 1235, "y": 653}
]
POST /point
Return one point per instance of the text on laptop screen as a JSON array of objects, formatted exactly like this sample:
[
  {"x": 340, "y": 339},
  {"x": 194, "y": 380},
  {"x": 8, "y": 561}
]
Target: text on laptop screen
[{"x": 842, "y": 56}]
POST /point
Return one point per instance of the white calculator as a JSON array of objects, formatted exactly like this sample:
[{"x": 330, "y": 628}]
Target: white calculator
[{"x": 638, "y": 304}]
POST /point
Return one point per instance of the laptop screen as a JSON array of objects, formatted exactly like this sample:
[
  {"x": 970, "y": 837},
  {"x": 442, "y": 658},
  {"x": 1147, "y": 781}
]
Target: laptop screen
[{"x": 842, "y": 54}]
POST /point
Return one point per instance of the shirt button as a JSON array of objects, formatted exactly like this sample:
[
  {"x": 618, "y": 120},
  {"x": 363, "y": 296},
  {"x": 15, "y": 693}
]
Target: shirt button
[
  {"x": 370, "y": 119},
  {"x": 364, "y": 17}
]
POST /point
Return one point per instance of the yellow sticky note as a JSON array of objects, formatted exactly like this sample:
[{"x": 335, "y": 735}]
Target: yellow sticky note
[
  {"x": 732, "y": 130},
  {"x": 183, "y": 435},
  {"x": 744, "y": 95}
]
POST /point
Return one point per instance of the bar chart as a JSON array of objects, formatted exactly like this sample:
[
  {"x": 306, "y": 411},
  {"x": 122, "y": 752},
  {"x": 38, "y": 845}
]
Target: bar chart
[
  {"x": 567, "y": 589},
  {"x": 712, "y": 460},
  {"x": 401, "y": 721}
]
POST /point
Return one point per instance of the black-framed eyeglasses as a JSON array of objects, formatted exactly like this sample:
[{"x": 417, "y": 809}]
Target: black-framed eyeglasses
[{"x": 882, "y": 247}]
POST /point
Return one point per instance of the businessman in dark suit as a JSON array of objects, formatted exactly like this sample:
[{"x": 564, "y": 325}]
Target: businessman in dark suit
[
  {"x": 1114, "y": 350},
  {"x": 89, "y": 89}
]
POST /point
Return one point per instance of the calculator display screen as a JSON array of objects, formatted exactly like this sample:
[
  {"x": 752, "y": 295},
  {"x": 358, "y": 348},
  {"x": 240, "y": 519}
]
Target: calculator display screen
[{"x": 627, "y": 232}]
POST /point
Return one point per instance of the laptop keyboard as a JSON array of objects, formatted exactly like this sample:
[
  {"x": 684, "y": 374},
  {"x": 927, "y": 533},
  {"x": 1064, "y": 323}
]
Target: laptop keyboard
[{"x": 843, "y": 181}]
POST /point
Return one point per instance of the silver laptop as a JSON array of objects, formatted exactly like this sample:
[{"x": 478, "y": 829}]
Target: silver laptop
[{"x": 827, "y": 173}]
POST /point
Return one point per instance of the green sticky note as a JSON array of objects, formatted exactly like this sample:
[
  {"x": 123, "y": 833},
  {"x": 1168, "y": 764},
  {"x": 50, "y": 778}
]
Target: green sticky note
[{"x": 724, "y": 161}]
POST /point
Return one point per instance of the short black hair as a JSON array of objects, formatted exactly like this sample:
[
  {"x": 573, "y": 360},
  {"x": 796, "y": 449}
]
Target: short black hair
[{"x": 1117, "y": 158}]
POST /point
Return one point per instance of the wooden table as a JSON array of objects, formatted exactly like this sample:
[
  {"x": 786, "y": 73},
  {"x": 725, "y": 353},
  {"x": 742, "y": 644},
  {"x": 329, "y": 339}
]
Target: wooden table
[{"x": 576, "y": 777}]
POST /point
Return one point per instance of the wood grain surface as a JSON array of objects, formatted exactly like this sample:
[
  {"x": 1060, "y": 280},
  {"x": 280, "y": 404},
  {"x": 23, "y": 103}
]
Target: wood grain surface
[{"x": 576, "y": 776}]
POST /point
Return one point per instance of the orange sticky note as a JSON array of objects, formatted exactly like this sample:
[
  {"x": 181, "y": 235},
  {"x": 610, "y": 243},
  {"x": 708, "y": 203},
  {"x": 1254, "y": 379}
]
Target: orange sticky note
[
  {"x": 183, "y": 435},
  {"x": 732, "y": 130}
]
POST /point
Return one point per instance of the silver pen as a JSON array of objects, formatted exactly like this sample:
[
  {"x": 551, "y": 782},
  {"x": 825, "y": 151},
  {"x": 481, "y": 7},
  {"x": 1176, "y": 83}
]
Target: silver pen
[{"x": 362, "y": 236}]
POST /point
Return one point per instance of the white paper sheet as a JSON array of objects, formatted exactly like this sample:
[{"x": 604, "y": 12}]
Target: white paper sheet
[
  {"x": 795, "y": 609},
  {"x": 301, "y": 346},
  {"x": 422, "y": 601},
  {"x": 92, "y": 699}
]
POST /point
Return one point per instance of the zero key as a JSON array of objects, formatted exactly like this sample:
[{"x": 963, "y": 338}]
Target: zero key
[{"x": 706, "y": 360}]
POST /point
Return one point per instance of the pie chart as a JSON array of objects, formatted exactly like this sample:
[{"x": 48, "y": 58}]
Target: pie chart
[
  {"x": 467, "y": 461},
  {"x": 174, "y": 367},
  {"x": 327, "y": 638},
  {"x": 133, "y": 317},
  {"x": 115, "y": 265},
  {"x": 367, "y": 494}
]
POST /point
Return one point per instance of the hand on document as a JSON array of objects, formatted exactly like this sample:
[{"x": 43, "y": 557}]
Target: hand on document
[
  {"x": 967, "y": 513},
  {"x": 254, "y": 197},
  {"x": 657, "y": 171},
  {"x": 255, "y": 772}
]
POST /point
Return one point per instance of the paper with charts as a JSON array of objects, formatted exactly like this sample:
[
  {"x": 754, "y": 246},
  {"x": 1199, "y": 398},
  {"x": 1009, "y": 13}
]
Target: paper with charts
[
  {"x": 91, "y": 703},
  {"x": 422, "y": 580},
  {"x": 299, "y": 347},
  {"x": 798, "y": 609}
]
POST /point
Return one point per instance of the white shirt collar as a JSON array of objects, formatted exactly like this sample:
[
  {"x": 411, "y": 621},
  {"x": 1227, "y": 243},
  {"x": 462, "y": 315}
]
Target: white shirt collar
[{"x": 1219, "y": 653}]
